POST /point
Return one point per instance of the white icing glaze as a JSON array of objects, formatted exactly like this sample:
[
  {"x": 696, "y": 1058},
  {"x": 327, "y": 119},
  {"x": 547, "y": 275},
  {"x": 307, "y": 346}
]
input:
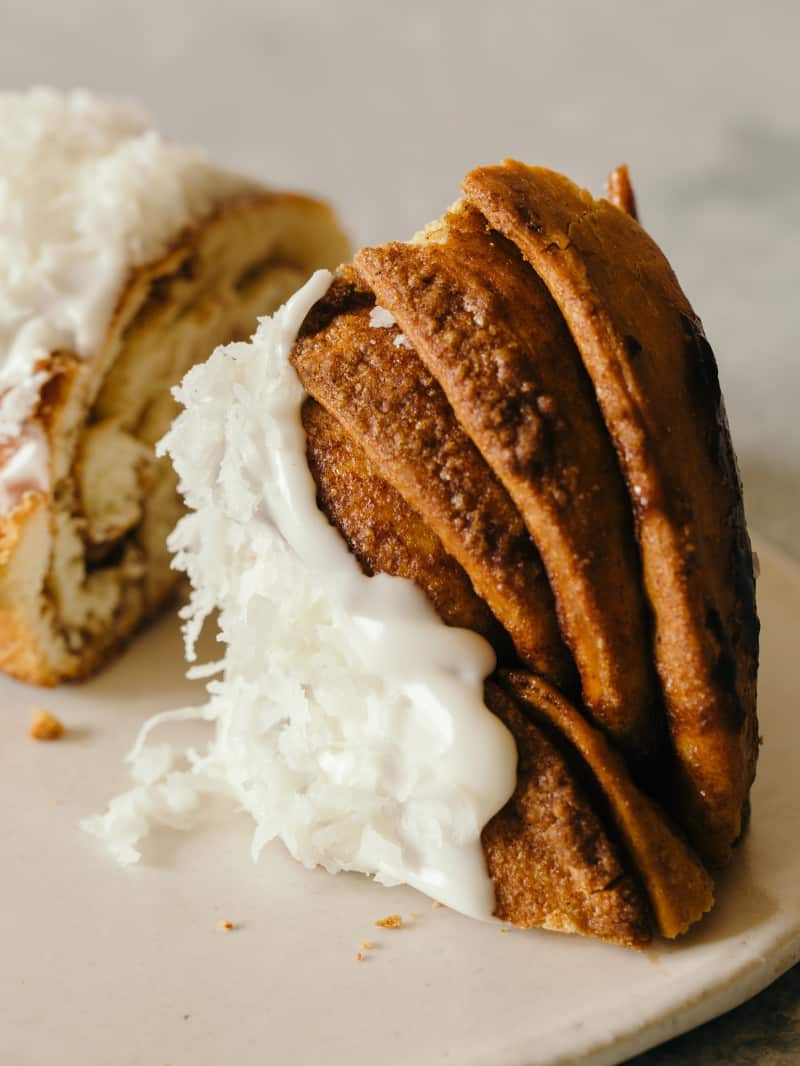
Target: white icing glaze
[
  {"x": 87, "y": 190},
  {"x": 349, "y": 720}
]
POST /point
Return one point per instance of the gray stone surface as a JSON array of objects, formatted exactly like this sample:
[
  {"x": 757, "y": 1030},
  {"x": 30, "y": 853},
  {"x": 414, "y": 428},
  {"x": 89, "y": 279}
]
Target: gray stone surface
[
  {"x": 763, "y": 1032},
  {"x": 384, "y": 108}
]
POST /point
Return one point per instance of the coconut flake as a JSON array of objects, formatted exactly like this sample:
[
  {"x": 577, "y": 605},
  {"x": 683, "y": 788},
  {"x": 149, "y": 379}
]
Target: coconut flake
[{"x": 380, "y": 318}]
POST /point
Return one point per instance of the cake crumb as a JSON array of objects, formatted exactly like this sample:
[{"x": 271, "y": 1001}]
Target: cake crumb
[
  {"x": 360, "y": 957},
  {"x": 367, "y": 944},
  {"x": 437, "y": 904},
  {"x": 393, "y": 921},
  {"x": 504, "y": 930},
  {"x": 227, "y": 926},
  {"x": 45, "y": 726}
]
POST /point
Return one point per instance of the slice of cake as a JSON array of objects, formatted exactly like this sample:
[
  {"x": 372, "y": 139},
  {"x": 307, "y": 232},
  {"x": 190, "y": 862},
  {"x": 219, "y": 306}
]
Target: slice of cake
[
  {"x": 451, "y": 650},
  {"x": 124, "y": 259}
]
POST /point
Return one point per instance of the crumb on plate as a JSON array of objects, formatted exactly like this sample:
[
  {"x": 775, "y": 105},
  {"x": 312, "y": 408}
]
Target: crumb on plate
[
  {"x": 393, "y": 921},
  {"x": 437, "y": 904},
  {"x": 227, "y": 926},
  {"x": 45, "y": 726}
]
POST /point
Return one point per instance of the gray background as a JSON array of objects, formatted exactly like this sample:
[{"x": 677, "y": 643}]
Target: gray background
[{"x": 384, "y": 108}]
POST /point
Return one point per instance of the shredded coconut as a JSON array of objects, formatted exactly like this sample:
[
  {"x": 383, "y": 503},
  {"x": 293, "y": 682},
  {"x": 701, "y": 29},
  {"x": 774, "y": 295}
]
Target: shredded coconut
[{"x": 380, "y": 318}]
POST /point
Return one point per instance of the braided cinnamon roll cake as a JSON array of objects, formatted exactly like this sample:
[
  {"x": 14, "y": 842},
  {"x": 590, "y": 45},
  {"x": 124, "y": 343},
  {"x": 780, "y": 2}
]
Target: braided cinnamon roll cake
[
  {"x": 529, "y": 687},
  {"x": 124, "y": 259}
]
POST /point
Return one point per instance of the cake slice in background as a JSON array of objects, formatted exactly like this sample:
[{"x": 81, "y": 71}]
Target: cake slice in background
[{"x": 124, "y": 260}]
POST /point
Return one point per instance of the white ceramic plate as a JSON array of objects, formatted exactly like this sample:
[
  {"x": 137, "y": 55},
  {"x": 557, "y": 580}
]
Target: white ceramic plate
[{"x": 101, "y": 966}]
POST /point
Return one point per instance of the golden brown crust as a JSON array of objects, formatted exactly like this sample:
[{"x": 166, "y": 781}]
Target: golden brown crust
[
  {"x": 382, "y": 395},
  {"x": 24, "y": 650},
  {"x": 656, "y": 383},
  {"x": 619, "y": 191},
  {"x": 547, "y": 852},
  {"x": 20, "y": 656},
  {"x": 487, "y": 329},
  {"x": 21, "y": 651},
  {"x": 678, "y": 887},
  {"x": 384, "y": 533}
]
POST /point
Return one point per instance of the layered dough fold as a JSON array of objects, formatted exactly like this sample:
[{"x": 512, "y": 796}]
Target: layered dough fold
[
  {"x": 518, "y": 411},
  {"x": 84, "y": 562}
]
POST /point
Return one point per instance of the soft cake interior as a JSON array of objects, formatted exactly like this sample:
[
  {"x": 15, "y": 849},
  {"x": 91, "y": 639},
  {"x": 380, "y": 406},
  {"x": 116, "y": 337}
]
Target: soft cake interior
[{"x": 101, "y": 560}]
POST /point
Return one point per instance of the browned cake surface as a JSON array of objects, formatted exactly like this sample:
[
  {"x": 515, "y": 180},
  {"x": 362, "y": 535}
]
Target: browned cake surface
[
  {"x": 384, "y": 533},
  {"x": 382, "y": 395},
  {"x": 491, "y": 335},
  {"x": 678, "y": 887},
  {"x": 548, "y": 853},
  {"x": 656, "y": 383}
]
